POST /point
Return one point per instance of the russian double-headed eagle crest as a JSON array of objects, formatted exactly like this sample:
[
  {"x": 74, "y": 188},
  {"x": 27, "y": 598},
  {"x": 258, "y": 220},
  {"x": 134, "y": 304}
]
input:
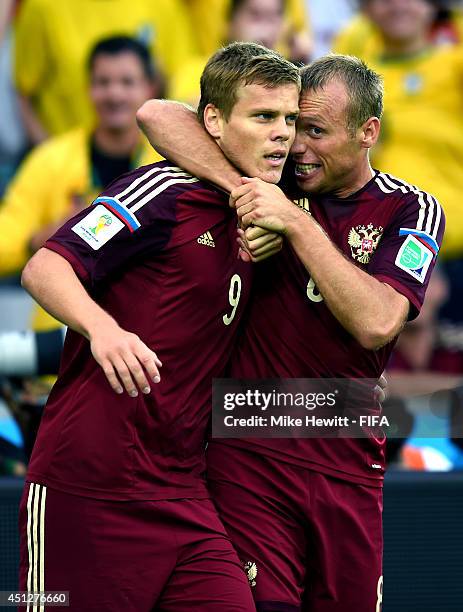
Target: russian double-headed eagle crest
[
  {"x": 363, "y": 241},
  {"x": 251, "y": 572}
]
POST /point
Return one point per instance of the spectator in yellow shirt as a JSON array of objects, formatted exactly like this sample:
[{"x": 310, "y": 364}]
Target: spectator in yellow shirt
[
  {"x": 54, "y": 38},
  {"x": 261, "y": 21},
  {"x": 360, "y": 37},
  {"x": 66, "y": 172},
  {"x": 422, "y": 136},
  {"x": 210, "y": 21}
]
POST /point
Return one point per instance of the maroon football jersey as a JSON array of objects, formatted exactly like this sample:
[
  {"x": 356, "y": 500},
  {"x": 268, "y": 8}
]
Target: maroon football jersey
[
  {"x": 389, "y": 229},
  {"x": 158, "y": 252}
]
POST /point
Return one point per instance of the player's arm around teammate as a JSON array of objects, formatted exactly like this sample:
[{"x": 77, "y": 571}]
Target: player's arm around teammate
[
  {"x": 156, "y": 118},
  {"x": 126, "y": 361},
  {"x": 372, "y": 311}
]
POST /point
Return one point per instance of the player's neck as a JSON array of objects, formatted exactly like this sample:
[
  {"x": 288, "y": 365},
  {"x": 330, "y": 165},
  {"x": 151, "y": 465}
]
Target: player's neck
[
  {"x": 358, "y": 180},
  {"x": 398, "y": 49},
  {"x": 116, "y": 143}
]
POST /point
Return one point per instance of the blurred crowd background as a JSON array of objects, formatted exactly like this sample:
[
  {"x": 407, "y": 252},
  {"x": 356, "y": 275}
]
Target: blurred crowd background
[{"x": 74, "y": 72}]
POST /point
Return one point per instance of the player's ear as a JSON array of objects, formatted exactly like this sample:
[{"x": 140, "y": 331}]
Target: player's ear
[
  {"x": 213, "y": 121},
  {"x": 369, "y": 132}
]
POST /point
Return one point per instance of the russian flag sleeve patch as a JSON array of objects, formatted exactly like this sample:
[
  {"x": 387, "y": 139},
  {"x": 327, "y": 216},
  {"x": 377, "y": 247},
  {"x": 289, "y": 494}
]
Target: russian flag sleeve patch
[{"x": 120, "y": 211}]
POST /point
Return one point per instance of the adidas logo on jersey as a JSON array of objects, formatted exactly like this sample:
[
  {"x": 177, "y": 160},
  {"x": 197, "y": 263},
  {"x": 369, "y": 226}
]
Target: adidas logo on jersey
[{"x": 206, "y": 239}]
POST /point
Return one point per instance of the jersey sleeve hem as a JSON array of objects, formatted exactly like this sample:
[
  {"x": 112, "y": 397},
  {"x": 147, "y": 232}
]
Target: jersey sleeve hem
[
  {"x": 76, "y": 264},
  {"x": 415, "y": 305}
]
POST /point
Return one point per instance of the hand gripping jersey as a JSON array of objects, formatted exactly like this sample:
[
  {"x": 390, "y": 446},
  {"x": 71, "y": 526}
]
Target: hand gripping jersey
[
  {"x": 158, "y": 252},
  {"x": 391, "y": 230}
]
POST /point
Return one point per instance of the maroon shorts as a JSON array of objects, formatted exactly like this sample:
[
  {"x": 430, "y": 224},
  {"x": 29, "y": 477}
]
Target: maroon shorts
[
  {"x": 129, "y": 556},
  {"x": 308, "y": 541}
]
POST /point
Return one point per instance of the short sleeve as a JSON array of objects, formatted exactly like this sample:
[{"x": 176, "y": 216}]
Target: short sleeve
[
  {"x": 175, "y": 42},
  {"x": 409, "y": 246},
  {"x": 358, "y": 38},
  {"x": 30, "y": 48},
  {"x": 297, "y": 16},
  {"x": 131, "y": 220}
]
